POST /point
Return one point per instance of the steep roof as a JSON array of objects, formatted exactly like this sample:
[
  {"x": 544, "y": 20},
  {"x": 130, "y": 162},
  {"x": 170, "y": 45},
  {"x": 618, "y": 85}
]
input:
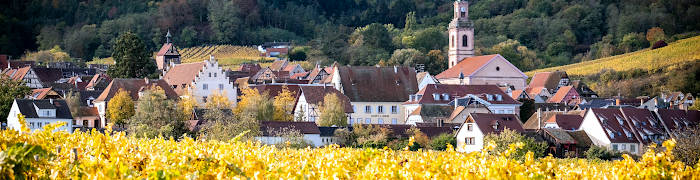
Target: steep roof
[
  {"x": 596, "y": 103},
  {"x": 316, "y": 94},
  {"x": 486, "y": 122},
  {"x": 516, "y": 93},
  {"x": 644, "y": 123},
  {"x": 615, "y": 126},
  {"x": 675, "y": 119},
  {"x": 531, "y": 122},
  {"x": 581, "y": 138},
  {"x": 560, "y": 136},
  {"x": 560, "y": 96},
  {"x": 566, "y": 121},
  {"x": 39, "y": 93},
  {"x": 134, "y": 86},
  {"x": 275, "y": 89},
  {"x": 97, "y": 79},
  {"x": 26, "y": 107},
  {"x": 457, "y": 91},
  {"x": 467, "y": 66},
  {"x": 549, "y": 80},
  {"x": 269, "y": 128},
  {"x": 183, "y": 74},
  {"x": 278, "y": 65},
  {"x": 378, "y": 84},
  {"x": 167, "y": 49},
  {"x": 533, "y": 91}
]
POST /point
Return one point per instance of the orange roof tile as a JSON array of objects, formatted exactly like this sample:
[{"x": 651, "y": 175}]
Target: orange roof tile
[
  {"x": 467, "y": 66},
  {"x": 183, "y": 73},
  {"x": 560, "y": 96}
]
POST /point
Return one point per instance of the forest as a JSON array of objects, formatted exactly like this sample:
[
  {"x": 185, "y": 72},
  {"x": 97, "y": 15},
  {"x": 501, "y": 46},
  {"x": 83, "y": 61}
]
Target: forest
[{"x": 531, "y": 34}]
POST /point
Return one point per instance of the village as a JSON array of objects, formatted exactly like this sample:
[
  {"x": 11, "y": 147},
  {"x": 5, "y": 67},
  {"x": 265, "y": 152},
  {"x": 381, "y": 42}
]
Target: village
[{"x": 476, "y": 96}]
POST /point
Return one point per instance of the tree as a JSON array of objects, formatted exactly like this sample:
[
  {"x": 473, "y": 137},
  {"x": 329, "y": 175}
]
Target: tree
[
  {"x": 687, "y": 148},
  {"x": 221, "y": 124},
  {"x": 9, "y": 91},
  {"x": 436, "y": 62},
  {"x": 131, "y": 57},
  {"x": 407, "y": 57},
  {"x": 504, "y": 139},
  {"x": 187, "y": 103},
  {"x": 284, "y": 104},
  {"x": 83, "y": 42},
  {"x": 597, "y": 152},
  {"x": 73, "y": 101},
  {"x": 224, "y": 21},
  {"x": 218, "y": 100},
  {"x": 410, "y": 21},
  {"x": 373, "y": 36},
  {"x": 254, "y": 105},
  {"x": 441, "y": 141},
  {"x": 655, "y": 34},
  {"x": 633, "y": 41},
  {"x": 420, "y": 140},
  {"x": 332, "y": 111},
  {"x": 154, "y": 116},
  {"x": 429, "y": 39},
  {"x": 120, "y": 108},
  {"x": 298, "y": 53}
]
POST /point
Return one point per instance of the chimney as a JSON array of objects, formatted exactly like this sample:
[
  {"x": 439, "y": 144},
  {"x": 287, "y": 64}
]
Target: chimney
[
  {"x": 51, "y": 101},
  {"x": 146, "y": 80},
  {"x": 539, "y": 118},
  {"x": 617, "y": 101},
  {"x": 396, "y": 69}
]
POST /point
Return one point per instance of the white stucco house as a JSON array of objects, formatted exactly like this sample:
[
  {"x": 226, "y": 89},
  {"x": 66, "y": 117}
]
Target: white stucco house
[
  {"x": 470, "y": 136},
  {"x": 310, "y": 99},
  {"x": 39, "y": 113},
  {"x": 487, "y": 69},
  {"x": 608, "y": 128},
  {"x": 133, "y": 87},
  {"x": 201, "y": 80}
]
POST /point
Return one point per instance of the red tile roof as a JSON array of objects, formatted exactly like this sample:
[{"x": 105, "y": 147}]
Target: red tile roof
[
  {"x": 644, "y": 123},
  {"x": 455, "y": 91},
  {"x": 183, "y": 74},
  {"x": 378, "y": 84},
  {"x": 97, "y": 78},
  {"x": 275, "y": 89},
  {"x": 39, "y": 93},
  {"x": 615, "y": 126},
  {"x": 299, "y": 75},
  {"x": 467, "y": 66},
  {"x": 516, "y": 93},
  {"x": 278, "y": 65},
  {"x": 316, "y": 94},
  {"x": 134, "y": 86},
  {"x": 533, "y": 91},
  {"x": 167, "y": 49},
  {"x": 486, "y": 122},
  {"x": 563, "y": 95},
  {"x": 18, "y": 74},
  {"x": 270, "y": 128},
  {"x": 675, "y": 119},
  {"x": 566, "y": 121}
]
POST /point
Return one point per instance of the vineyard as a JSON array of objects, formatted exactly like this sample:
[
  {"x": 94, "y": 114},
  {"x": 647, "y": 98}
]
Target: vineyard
[
  {"x": 227, "y": 55},
  {"x": 45, "y": 154},
  {"x": 681, "y": 51}
]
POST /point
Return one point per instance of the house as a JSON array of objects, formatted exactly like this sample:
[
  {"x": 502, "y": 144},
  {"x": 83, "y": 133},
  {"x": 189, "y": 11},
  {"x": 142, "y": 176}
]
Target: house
[
  {"x": 429, "y": 114},
  {"x": 610, "y": 129},
  {"x": 376, "y": 93},
  {"x": 675, "y": 120},
  {"x": 539, "y": 94},
  {"x": 39, "y": 113},
  {"x": 25, "y": 74},
  {"x": 167, "y": 55},
  {"x": 678, "y": 100},
  {"x": 424, "y": 78},
  {"x": 274, "y": 49},
  {"x": 311, "y": 97},
  {"x": 483, "y": 70},
  {"x": 564, "y": 143},
  {"x": 87, "y": 118},
  {"x": 328, "y": 135},
  {"x": 284, "y": 65},
  {"x": 491, "y": 96},
  {"x": 552, "y": 81},
  {"x": 201, "y": 80},
  {"x": 595, "y": 103},
  {"x": 569, "y": 122},
  {"x": 44, "y": 93},
  {"x": 267, "y": 75},
  {"x": 566, "y": 95},
  {"x": 460, "y": 113},
  {"x": 470, "y": 136},
  {"x": 320, "y": 75},
  {"x": 98, "y": 82},
  {"x": 538, "y": 119},
  {"x": 6, "y": 62},
  {"x": 654, "y": 104},
  {"x": 519, "y": 94},
  {"x": 273, "y": 132},
  {"x": 583, "y": 89},
  {"x": 134, "y": 87}
]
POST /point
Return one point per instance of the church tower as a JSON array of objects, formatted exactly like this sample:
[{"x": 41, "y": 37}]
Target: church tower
[
  {"x": 167, "y": 55},
  {"x": 461, "y": 34}
]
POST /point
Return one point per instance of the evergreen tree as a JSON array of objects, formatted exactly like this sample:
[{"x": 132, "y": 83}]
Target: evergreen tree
[{"x": 131, "y": 57}]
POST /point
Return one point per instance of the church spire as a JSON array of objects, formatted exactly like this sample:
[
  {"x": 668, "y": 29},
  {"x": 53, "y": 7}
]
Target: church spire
[{"x": 167, "y": 37}]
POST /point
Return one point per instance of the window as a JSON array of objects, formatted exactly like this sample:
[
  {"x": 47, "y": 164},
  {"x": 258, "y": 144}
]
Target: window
[
  {"x": 380, "y": 121},
  {"x": 221, "y": 86},
  {"x": 470, "y": 127},
  {"x": 445, "y": 97},
  {"x": 633, "y": 148},
  {"x": 380, "y": 109},
  {"x": 394, "y": 109},
  {"x": 464, "y": 40},
  {"x": 31, "y": 125},
  {"x": 368, "y": 121},
  {"x": 368, "y": 109},
  {"x": 353, "y": 108},
  {"x": 209, "y": 74},
  {"x": 462, "y": 11},
  {"x": 312, "y": 118},
  {"x": 469, "y": 141},
  {"x": 204, "y": 99},
  {"x": 498, "y": 68},
  {"x": 351, "y": 121},
  {"x": 614, "y": 147},
  {"x": 436, "y": 96},
  {"x": 205, "y": 86},
  {"x": 214, "y": 74},
  {"x": 394, "y": 121},
  {"x": 453, "y": 41}
]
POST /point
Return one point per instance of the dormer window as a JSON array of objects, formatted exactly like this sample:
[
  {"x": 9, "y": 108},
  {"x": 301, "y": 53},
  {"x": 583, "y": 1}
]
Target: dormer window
[
  {"x": 445, "y": 97},
  {"x": 499, "y": 97},
  {"x": 436, "y": 96},
  {"x": 489, "y": 97}
]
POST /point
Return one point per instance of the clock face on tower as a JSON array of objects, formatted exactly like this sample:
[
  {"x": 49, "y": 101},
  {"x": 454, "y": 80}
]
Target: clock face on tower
[{"x": 463, "y": 9}]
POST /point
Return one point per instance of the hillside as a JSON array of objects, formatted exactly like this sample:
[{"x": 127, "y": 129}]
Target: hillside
[
  {"x": 679, "y": 52},
  {"x": 229, "y": 56}
]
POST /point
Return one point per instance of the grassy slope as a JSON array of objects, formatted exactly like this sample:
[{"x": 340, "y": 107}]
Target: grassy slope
[{"x": 681, "y": 51}]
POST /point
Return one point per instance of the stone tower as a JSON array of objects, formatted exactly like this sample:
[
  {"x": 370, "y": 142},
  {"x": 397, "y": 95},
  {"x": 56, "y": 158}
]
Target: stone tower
[
  {"x": 461, "y": 34},
  {"x": 168, "y": 55}
]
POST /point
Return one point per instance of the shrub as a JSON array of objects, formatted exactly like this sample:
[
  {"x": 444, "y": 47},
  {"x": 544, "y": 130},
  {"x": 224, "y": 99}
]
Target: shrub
[
  {"x": 659, "y": 44},
  {"x": 508, "y": 137},
  {"x": 440, "y": 142},
  {"x": 597, "y": 152}
]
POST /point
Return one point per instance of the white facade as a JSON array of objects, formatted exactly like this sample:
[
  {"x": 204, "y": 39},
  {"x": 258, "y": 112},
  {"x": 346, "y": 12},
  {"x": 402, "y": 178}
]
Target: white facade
[
  {"x": 428, "y": 79},
  {"x": 377, "y": 113},
  {"x": 48, "y": 117},
  {"x": 212, "y": 79},
  {"x": 306, "y": 111},
  {"x": 314, "y": 139},
  {"x": 469, "y": 138}
]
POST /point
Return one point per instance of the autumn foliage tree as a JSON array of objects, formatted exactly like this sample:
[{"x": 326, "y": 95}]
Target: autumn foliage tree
[
  {"x": 254, "y": 105},
  {"x": 120, "y": 107},
  {"x": 218, "y": 100},
  {"x": 187, "y": 103},
  {"x": 655, "y": 34},
  {"x": 154, "y": 116},
  {"x": 283, "y": 105},
  {"x": 332, "y": 111}
]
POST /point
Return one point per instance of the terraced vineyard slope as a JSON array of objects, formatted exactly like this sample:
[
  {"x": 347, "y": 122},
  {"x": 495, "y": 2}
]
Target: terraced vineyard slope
[
  {"x": 228, "y": 55},
  {"x": 681, "y": 51}
]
